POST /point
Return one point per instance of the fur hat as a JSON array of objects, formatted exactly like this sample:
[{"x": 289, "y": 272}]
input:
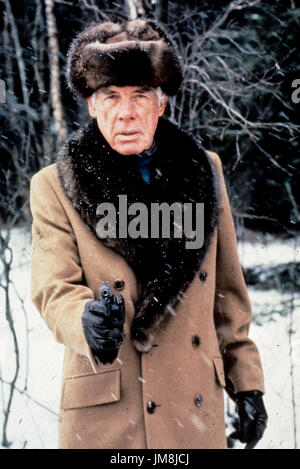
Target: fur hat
[{"x": 137, "y": 53}]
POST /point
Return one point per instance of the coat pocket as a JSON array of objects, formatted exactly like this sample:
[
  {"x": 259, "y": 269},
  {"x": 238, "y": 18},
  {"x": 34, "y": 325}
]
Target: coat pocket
[
  {"x": 91, "y": 389},
  {"x": 219, "y": 370}
]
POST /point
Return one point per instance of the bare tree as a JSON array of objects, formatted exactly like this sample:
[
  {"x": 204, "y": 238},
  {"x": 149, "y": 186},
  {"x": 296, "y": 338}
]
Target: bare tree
[
  {"x": 161, "y": 11},
  {"x": 59, "y": 121},
  {"x": 134, "y": 8},
  {"x": 221, "y": 88},
  {"x": 6, "y": 258},
  {"x": 28, "y": 149}
]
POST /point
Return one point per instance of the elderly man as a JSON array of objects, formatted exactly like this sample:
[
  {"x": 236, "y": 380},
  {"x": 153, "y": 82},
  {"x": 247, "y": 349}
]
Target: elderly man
[{"x": 145, "y": 368}]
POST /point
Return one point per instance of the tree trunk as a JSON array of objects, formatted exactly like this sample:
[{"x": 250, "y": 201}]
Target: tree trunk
[
  {"x": 135, "y": 9},
  {"x": 162, "y": 11},
  {"x": 59, "y": 121}
]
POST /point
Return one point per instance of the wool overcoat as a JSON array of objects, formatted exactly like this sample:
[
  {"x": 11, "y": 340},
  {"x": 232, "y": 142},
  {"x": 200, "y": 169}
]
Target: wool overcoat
[{"x": 170, "y": 393}]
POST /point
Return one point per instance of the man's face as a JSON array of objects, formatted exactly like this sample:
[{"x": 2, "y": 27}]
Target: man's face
[{"x": 127, "y": 116}]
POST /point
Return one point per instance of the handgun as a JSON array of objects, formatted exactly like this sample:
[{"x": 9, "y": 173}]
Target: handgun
[{"x": 105, "y": 294}]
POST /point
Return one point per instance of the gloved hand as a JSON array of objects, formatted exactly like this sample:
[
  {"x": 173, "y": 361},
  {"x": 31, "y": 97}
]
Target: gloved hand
[
  {"x": 252, "y": 418},
  {"x": 103, "y": 327}
]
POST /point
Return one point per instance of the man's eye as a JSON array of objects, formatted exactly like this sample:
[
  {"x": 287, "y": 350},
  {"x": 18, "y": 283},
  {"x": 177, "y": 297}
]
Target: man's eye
[{"x": 111, "y": 96}]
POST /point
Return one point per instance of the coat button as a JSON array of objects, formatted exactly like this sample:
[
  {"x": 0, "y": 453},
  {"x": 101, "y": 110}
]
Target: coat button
[
  {"x": 196, "y": 341},
  {"x": 118, "y": 284},
  {"x": 198, "y": 400},
  {"x": 151, "y": 406},
  {"x": 203, "y": 276}
]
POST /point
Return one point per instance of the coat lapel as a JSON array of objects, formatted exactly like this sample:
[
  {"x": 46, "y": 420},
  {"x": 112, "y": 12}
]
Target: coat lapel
[{"x": 92, "y": 173}]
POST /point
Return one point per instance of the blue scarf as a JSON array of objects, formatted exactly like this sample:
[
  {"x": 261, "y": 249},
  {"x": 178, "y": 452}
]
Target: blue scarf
[{"x": 143, "y": 162}]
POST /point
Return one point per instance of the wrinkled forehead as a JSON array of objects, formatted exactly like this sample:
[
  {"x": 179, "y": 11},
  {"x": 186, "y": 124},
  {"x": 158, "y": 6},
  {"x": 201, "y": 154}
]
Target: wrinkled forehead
[{"x": 125, "y": 89}]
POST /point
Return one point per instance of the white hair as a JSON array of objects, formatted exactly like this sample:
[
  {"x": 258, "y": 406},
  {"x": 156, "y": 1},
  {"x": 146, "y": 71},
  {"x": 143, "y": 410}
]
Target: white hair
[
  {"x": 161, "y": 95},
  {"x": 93, "y": 97}
]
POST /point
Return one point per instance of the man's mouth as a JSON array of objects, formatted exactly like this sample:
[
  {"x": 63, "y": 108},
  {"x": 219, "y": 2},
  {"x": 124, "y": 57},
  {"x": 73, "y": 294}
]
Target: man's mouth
[
  {"x": 132, "y": 132},
  {"x": 127, "y": 136}
]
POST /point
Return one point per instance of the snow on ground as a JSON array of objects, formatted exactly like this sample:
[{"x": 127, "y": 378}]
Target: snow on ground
[
  {"x": 258, "y": 249},
  {"x": 271, "y": 335},
  {"x": 33, "y": 420}
]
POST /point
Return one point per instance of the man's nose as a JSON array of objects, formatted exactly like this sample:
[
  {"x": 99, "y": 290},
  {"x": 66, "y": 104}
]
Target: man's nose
[{"x": 127, "y": 110}]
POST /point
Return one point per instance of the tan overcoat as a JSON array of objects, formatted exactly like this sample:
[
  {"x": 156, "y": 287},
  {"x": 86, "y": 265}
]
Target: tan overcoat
[{"x": 182, "y": 377}]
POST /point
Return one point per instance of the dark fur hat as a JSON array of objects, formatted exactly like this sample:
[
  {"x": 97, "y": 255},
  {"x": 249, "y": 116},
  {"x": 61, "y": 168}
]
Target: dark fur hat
[{"x": 137, "y": 53}]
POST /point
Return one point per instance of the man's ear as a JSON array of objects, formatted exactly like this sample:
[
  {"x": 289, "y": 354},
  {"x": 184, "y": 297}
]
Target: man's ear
[
  {"x": 162, "y": 106},
  {"x": 91, "y": 106}
]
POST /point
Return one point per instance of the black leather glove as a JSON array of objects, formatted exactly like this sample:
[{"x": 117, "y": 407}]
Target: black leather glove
[
  {"x": 252, "y": 418},
  {"x": 103, "y": 327}
]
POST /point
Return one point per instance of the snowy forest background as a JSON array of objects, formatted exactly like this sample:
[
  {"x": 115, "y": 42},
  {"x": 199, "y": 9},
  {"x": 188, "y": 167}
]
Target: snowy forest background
[{"x": 240, "y": 99}]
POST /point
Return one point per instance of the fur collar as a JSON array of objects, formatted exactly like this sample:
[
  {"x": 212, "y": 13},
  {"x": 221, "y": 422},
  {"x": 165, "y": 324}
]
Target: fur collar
[{"x": 91, "y": 173}]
